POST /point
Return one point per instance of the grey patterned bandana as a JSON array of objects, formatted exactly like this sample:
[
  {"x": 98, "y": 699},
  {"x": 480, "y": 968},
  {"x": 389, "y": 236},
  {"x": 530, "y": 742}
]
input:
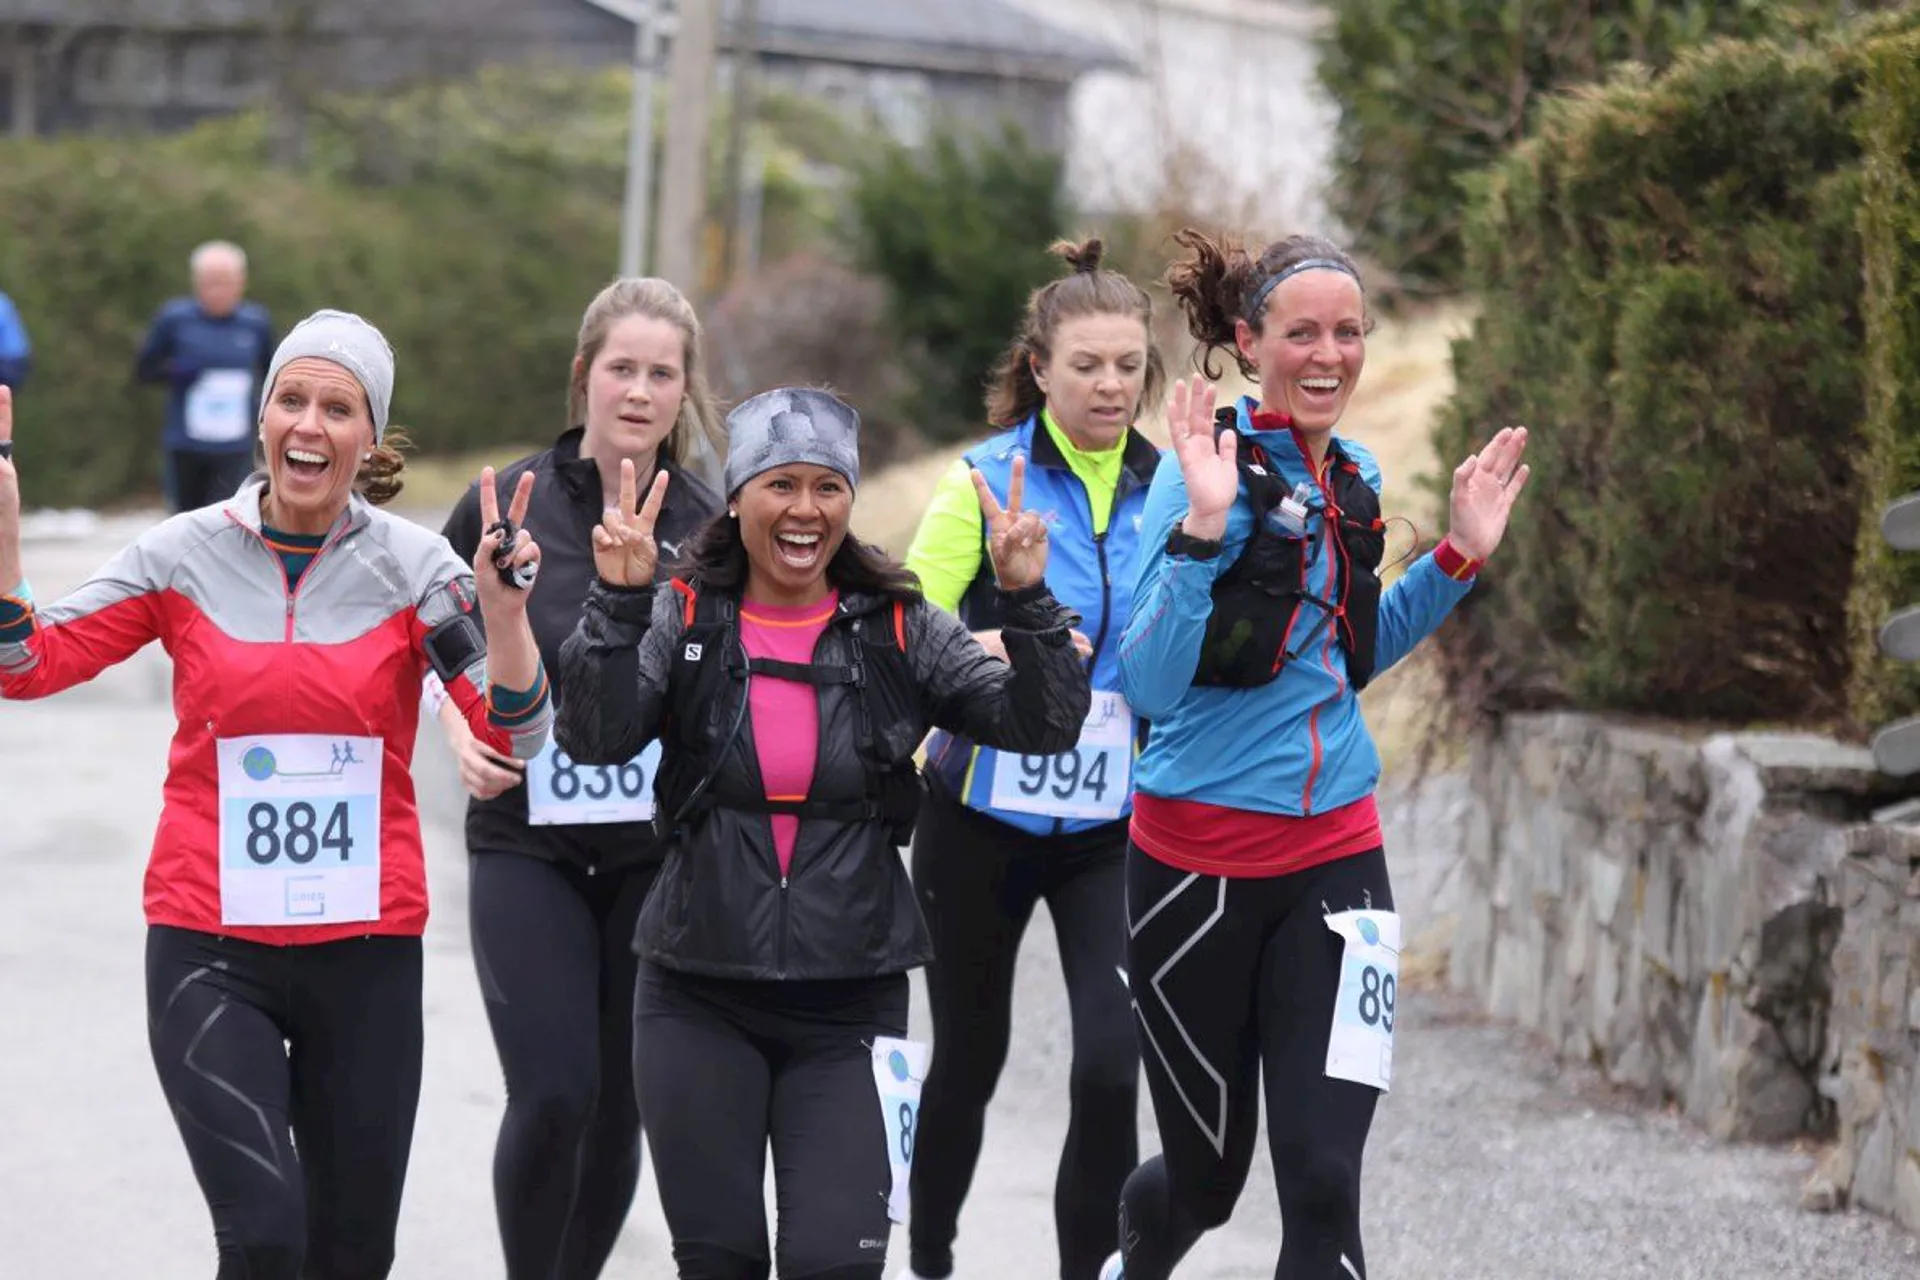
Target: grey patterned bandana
[{"x": 789, "y": 425}]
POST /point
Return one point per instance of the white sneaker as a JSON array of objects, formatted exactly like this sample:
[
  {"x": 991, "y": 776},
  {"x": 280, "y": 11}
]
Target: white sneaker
[{"x": 1111, "y": 1269}]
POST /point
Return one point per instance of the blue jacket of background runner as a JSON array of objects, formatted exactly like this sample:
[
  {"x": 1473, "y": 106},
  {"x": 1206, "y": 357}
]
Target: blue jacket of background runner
[
  {"x": 1091, "y": 575},
  {"x": 186, "y": 344},
  {"x": 1298, "y": 744}
]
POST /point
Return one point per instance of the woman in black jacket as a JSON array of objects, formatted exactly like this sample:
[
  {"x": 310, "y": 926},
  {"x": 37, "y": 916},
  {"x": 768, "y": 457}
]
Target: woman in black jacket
[
  {"x": 563, "y": 855},
  {"x": 790, "y": 676}
]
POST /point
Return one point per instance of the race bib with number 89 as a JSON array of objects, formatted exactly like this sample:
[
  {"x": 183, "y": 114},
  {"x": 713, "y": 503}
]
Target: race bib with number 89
[
  {"x": 1360, "y": 1048},
  {"x": 1092, "y": 779}
]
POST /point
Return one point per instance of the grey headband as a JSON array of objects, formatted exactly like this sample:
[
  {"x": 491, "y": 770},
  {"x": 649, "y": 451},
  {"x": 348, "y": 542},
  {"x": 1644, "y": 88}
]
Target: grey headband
[
  {"x": 351, "y": 343},
  {"x": 1259, "y": 298},
  {"x": 793, "y": 424}
]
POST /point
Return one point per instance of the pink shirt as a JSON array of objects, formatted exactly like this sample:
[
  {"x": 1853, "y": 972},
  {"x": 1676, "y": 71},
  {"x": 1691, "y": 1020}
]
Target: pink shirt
[{"x": 786, "y": 714}]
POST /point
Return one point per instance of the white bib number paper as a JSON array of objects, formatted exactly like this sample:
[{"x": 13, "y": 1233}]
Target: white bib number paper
[
  {"x": 1089, "y": 780},
  {"x": 562, "y": 793},
  {"x": 219, "y": 406},
  {"x": 299, "y": 829},
  {"x": 898, "y": 1068},
  {"x": 1361, "y": 1046}
]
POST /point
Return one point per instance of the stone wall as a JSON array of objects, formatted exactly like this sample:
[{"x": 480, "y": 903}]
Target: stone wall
[
  {"x": 1667, "y": 907},
  {"x": 1874, "y": 1030}
]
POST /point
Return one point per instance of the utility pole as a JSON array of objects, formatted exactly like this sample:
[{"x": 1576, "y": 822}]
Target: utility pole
[
  {"x": 683, "y": 189},
  {"x": 746, "y": 67},
  {"x": 633, "y": 214}
]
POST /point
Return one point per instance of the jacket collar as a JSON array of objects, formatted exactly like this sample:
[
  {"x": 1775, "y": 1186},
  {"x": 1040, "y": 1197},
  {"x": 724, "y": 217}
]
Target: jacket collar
[
  {"x": 244, "y": 508},
  {"x": 581, "y": 476},
  {"x": 1140, "y": 459}
]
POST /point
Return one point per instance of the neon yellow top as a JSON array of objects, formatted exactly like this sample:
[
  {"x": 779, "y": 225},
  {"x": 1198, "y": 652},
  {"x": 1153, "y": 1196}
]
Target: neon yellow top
[{"x": 947, "y": 547}]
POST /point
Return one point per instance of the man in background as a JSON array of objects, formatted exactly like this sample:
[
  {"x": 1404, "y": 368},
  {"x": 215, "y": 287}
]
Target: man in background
[
  {"x": 211, "y": 351},
  {"x": 16, "y": 353}
]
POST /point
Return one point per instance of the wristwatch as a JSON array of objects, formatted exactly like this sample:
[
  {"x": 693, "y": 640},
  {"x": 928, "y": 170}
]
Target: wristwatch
[{"x": 1181, "y": 543}]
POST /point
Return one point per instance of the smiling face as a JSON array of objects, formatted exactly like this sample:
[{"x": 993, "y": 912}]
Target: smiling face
[
  {"x": 1311, "y": 347},
  {"x": 634, "y": 388},
  {"x": 792, "y": 522},
  {"x": 315, "y": 431},
  {"x": 1094, "y": 377}
]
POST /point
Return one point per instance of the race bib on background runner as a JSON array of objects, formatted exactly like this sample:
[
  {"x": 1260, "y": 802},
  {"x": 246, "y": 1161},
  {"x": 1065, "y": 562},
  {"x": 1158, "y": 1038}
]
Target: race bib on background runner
[
  {"x": 299, "y": 829},
  {"x": 898, "y": 1068},
  {"x": 1092, "y": 779},
  {"x": 219, "y": 406},
  {"x": 1361, "y": 1046}
]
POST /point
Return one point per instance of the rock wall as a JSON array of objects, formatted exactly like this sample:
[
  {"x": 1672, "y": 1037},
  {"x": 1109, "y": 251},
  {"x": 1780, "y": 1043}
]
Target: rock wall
[
  {"x": 1667, "y": 906},
  {"x": 1873, "y": 1035}
]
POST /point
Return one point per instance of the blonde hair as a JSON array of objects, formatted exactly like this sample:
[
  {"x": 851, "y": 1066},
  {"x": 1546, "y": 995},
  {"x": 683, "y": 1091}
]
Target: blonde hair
[{"x": 656, "y": 299}]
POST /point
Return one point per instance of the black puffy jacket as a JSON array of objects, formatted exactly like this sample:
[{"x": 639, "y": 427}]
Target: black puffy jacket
[{"x": 845, "y": 909}]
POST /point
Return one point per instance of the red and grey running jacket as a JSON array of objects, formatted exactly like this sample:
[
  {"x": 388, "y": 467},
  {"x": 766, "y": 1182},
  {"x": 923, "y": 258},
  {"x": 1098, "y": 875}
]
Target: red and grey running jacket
[{"x": 341, "y": 656}]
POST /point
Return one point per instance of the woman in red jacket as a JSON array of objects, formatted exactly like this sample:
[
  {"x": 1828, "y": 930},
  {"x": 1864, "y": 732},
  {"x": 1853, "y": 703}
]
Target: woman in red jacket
[{"x": 285, "y": 892}]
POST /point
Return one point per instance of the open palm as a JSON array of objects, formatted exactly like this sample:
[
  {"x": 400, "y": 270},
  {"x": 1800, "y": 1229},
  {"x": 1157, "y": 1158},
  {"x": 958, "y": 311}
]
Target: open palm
[
  {"x": 1485, "y": 487},
  {"x": 1207, "y": 464}
]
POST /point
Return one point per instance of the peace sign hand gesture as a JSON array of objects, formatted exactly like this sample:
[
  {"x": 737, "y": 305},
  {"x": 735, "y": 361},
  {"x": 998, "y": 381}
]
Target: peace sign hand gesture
[
  {"x": 1207, "y": 465},
  {"x": 506, "y": 548},
  {"x": 1485, "y": 488},
  {"x": 1016, "y": 539},
  {"x": 624, "y": 551}
]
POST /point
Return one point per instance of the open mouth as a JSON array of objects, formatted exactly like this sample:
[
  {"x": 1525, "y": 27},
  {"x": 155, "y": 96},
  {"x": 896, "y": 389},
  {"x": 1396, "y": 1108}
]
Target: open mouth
[
  {"x": 1320, "y": 388},
  {"x": 305, "y": 463},
  {"x": 798, "y": 550}
]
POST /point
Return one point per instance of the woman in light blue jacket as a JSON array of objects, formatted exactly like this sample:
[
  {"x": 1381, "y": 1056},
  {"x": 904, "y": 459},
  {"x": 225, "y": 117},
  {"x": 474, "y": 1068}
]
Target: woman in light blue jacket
[{"x": 1262, "y": 938}]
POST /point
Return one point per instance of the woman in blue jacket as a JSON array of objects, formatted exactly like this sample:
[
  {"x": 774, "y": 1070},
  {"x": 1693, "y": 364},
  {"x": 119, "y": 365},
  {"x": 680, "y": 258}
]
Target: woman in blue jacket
[
  {"x": 1263, "y": 946},
  {"x": 999, "y": 833}
]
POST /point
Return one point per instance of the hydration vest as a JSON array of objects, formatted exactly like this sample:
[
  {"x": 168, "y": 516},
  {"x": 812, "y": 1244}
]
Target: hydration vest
[
  {"x": 1257, "y": 601},
  {"x": 707, "y": 706}
]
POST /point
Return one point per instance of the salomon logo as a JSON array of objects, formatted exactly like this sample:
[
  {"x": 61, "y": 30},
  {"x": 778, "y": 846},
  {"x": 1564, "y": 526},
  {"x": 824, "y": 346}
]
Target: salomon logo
[{"x": 693, "y": 653}]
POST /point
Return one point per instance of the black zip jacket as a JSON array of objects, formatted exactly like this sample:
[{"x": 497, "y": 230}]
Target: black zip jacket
[
  {"x": 845, "y": 909},
  {"x": 567, "y": 503}
]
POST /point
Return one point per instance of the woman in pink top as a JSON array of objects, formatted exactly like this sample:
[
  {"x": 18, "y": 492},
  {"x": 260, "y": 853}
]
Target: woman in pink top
[{"x": 790, "y": 674}]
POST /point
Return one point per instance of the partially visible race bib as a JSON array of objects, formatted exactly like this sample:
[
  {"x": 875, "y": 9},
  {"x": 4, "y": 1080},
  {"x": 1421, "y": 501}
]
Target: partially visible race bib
[
  {"x": 219, "y": 407},
  {"x": 898, "y": 1068},
  {"x": 562, "y": 793},
  {"x": 1361, "y": 1046},
  {"x": 299, "y": 829},
  {"x": 1092, "y": 779}
]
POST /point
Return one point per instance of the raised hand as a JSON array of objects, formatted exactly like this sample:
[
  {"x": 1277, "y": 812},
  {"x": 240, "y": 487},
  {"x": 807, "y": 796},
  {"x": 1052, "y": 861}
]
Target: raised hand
[
  {"x": 1016, "y": 539},
  {"x": 1207, "y": 466},
  {"x": 1485, "y": 488},
  {"x": 498, "y": 599},
  {"x": 624, "y": 551}
]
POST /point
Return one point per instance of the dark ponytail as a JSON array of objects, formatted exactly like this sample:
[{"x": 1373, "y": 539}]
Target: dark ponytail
[{"x": 1215, "y": 283}]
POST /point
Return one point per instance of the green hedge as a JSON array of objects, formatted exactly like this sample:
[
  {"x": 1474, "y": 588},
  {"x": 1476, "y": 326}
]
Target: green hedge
[
  {"x": 1671, "y": 298},
  {"x": 1431, "y": 90},
  {"x": 1889, "y": 128}
]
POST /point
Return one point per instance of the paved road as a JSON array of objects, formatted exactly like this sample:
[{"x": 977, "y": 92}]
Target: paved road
[{"x": 1488, "y": 1160}]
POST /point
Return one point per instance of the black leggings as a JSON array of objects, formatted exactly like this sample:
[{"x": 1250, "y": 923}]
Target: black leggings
[
  {"x": 554, "y": 950},
  {"x": 979, "y": 880},
  {"x": 294, "y": 1074},
  {"x": 724, "y": 1068},
  {"x": 1230, "y": 977}
]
